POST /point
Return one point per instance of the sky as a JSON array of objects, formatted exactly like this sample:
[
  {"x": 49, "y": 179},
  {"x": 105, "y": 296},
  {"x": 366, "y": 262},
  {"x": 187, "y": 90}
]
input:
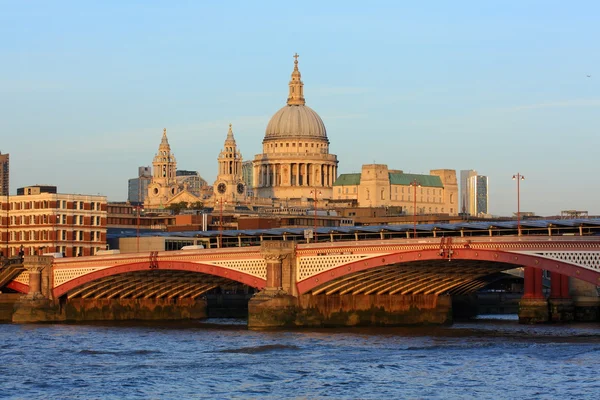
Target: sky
[{"x": 500, "y": 87}]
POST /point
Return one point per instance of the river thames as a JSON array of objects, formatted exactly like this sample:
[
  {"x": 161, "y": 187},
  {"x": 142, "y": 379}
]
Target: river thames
[{"x": 219, "y": 359}]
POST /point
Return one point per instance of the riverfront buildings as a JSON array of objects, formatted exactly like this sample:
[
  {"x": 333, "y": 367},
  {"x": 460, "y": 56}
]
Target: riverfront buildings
[
  {"x": 44, "y": 221},
  {"x": 296, "y": 169}
]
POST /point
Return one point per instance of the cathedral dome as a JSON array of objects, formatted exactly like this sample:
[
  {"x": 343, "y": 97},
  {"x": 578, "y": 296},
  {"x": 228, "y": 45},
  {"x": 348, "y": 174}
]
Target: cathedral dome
[{"x": 296, "y": 120}]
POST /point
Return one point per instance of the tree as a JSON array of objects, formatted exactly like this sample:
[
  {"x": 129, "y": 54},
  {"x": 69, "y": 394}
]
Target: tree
[
  {"x": 177, "y": 207},
  {"x": 197, "y": 205}
]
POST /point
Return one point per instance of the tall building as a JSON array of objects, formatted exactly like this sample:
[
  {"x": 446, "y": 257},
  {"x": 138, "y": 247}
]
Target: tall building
[
  {"x": 465, "y": 197},
  {"x": 377, "y": 186},
  {"x": 4, "y": 175},
  {"x": 248, "y": 177},
  {"x": 478, "y": 195},
  {"x": 164, "y": 180},
  {"x": 138, "y": 187},
  {"x": 295, "y": 161},
  {"x": 229, "y": 185},
  {"x": 44, "y": 221}
]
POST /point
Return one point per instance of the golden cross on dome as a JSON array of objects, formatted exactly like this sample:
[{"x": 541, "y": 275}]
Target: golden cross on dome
[{"x": 296, "y": 57}]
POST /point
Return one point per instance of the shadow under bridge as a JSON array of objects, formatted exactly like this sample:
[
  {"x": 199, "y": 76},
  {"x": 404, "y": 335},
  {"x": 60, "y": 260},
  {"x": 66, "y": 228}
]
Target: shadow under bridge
[{"x": 419, "y": 277}]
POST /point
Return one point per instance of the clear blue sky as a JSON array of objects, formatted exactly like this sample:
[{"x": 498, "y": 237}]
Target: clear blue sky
[{"x": 496, "y": 86}]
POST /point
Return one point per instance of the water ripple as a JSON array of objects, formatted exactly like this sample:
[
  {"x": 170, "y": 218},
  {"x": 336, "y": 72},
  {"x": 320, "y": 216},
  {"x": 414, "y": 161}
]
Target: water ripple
[{"x": 483, "y": 360}]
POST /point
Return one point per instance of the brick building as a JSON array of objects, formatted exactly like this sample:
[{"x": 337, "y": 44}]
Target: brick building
[{"x": 43, "y": 221}]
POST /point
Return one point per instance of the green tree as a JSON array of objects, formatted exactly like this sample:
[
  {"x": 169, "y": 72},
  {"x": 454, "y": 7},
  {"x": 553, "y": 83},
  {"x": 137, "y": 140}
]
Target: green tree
[
  {"x": 177, "y": 207},
  {"x": 197, "y": 205}
]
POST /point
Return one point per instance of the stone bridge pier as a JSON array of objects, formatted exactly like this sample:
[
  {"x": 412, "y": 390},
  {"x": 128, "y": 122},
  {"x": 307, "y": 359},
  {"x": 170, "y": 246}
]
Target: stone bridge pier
[
  {"x": 280, "y": 305},
  {"x": 38, "y": 305}
]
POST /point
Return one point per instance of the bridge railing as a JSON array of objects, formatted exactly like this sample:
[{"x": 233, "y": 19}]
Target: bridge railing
[{"x": 460, "y": 242}]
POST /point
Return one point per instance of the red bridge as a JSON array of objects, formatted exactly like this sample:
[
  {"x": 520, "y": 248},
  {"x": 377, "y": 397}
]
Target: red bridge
[{"x": 308, "y": 276}]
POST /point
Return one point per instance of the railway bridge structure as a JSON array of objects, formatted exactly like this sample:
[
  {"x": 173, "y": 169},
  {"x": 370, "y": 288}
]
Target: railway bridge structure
[{"x": 383, "y": 282}]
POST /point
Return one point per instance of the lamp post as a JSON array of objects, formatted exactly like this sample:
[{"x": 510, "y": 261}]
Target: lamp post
[
  {"x": 7, "y": 225},
  {"x": 220, "y": 222},
  {"x": 315, "y": 192},
  {"x": 415, "y": 184},
  {"x": 139, "y": 211},
  {"x": 518, "y": 177}
]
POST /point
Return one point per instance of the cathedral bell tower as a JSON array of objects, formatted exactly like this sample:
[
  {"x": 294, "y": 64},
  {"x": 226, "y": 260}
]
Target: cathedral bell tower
[
  {"x": 229, "y": 186},
  {"x": 164, "y": 182}
]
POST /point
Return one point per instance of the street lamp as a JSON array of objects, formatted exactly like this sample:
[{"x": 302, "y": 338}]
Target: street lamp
[
  {"x": 139, "y": 211},
  {"x": 518, "y": 177},
  {"x": 415, "y": 184},
  {"x": 315, "y": 192},
  {"x": 220, "y": 202}
]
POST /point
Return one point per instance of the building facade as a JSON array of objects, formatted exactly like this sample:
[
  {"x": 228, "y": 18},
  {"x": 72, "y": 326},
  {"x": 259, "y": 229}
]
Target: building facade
[
  {"x": 465, "y": 196},
  {"x": 138, "y": 187},
  {"x": 248, "y": 177},
  {"x": 4, "y": 174},
  {"x": 378, "y": 186},
  {"x": 473, "y": 193},
  {"x": 478, "y": 195},
  {"x": 43, "y": 221},
  {"x": 295, "y": 162}
]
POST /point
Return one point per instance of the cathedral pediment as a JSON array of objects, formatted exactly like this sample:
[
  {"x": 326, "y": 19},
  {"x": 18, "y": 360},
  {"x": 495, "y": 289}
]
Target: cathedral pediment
[{"x": 184, "y": 196}]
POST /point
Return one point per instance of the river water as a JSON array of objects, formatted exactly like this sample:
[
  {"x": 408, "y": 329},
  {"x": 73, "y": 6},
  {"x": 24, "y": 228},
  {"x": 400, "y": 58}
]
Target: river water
[{"x": 220, "y": 359}]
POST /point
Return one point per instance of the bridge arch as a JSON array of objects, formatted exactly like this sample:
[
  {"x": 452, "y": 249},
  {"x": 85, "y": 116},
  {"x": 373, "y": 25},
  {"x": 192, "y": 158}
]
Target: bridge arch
[
  {"x": 156, "y": 268},
  {"x": 477, "y": 255}
]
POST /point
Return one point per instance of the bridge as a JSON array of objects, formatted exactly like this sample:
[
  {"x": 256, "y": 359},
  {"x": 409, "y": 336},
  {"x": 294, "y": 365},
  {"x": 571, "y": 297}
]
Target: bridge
[{"x": 330, "y": 277}]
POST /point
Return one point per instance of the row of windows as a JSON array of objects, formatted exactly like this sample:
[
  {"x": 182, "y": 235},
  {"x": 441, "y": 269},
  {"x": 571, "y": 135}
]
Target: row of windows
[
  {"x": 409, "y": 190},
  {"x": 49, "y": 219},
  {"x": 61, "y": 204},
  {"x": 299, "y": 145},
  {"x": 95, "y": 236}
]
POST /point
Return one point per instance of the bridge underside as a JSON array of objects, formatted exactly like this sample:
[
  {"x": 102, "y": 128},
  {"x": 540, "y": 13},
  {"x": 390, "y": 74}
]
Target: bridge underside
[
  {"x": 424, "y": 277},
  {"x": 166, "y": 284}
]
